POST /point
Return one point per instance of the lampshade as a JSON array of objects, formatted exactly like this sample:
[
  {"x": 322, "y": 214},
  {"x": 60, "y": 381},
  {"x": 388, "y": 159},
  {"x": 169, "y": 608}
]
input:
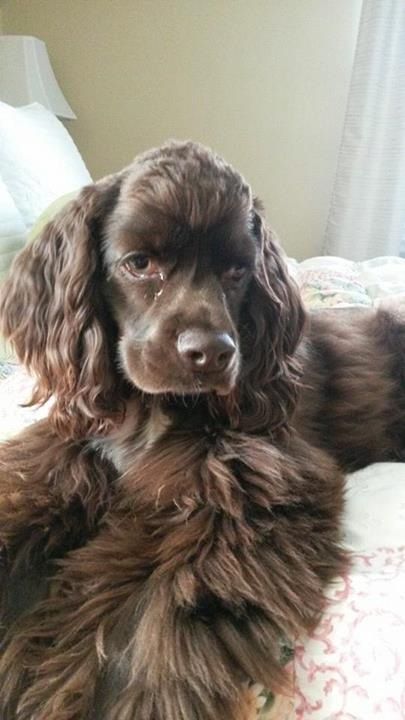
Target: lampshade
[{"x": 26, "y": 75}]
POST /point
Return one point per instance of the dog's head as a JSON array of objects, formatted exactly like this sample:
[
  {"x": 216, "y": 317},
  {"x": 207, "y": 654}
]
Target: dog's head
[{"x": 163, "y": 278}]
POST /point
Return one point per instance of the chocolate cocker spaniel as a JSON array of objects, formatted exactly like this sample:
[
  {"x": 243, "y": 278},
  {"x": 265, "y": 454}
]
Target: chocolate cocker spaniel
[{"x": 176, "y": 518}]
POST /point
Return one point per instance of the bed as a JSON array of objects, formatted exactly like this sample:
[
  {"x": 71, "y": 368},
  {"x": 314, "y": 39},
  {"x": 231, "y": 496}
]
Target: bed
[{"x": 352, "y": 668}]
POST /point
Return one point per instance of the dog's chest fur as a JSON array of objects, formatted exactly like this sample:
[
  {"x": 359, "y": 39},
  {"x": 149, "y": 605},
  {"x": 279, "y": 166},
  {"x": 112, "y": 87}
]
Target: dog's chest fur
[{"x": 136, "y": 435}]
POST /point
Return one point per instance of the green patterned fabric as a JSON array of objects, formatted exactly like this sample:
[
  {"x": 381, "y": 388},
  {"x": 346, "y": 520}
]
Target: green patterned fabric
[{"x": 50, "y": 213}]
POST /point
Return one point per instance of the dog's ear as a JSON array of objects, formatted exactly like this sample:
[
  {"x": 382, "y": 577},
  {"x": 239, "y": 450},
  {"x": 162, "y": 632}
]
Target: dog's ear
[
  {"x": 52, "y": 312},
  {"x": 272, "y": 324}
]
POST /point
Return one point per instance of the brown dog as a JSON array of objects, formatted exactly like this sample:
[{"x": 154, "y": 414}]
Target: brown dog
[{"x": 176, "y": 517}]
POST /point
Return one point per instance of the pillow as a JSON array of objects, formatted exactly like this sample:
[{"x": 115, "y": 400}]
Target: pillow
[
  {"x": 13, "y": 235},
  {"x": 39, "y": 161}
]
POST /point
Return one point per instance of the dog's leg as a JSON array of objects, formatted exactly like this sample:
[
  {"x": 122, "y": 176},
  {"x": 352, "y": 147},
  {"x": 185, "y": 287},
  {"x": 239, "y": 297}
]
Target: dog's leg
[
  {"x": 171, "y": 610},
  {"x": 246, "y": 538},
  {"x": 61, "y": 644},
  {"x": 112, "y": 643},
  {"x": 52, "y": 494}
]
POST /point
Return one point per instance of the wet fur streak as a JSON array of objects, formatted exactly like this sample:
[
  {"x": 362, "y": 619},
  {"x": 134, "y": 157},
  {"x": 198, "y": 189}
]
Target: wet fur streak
[{"x": 166, "y": 531}]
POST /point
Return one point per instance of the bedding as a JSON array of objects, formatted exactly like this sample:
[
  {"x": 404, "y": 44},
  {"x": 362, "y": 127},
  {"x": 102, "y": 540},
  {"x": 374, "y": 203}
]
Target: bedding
[
  {"x": 34, "y": 147},
  {"x": 13, "y": 232},
  {"x": 352, "y": 667},
  {"x": 13, "y": 236}
]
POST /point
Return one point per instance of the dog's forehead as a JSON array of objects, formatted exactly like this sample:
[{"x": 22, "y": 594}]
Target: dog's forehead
[
  {"x": 171, "y": 204},
  {"x": 187, "y": 183}
]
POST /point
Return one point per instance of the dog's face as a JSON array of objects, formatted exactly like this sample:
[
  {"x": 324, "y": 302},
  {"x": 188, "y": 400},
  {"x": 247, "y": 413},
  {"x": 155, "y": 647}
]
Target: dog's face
[
  {"x": 178, "y": 276},
  {"x": 164, "y": 275}
]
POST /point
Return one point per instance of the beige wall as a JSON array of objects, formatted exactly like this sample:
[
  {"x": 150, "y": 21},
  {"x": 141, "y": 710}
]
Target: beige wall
[{"x": 262, "y": 81}]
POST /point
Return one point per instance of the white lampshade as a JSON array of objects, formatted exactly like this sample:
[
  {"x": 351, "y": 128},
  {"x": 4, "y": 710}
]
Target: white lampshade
[{"x": 26, "y": 75}]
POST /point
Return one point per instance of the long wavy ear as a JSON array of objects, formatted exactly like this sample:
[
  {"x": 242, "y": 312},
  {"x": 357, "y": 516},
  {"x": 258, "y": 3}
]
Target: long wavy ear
[
  {"x": 52, "y": 311},
  {"x": 272, "y": 324}
]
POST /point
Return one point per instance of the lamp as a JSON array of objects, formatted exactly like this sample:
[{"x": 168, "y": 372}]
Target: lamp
[{"x": 26, "y": 75}]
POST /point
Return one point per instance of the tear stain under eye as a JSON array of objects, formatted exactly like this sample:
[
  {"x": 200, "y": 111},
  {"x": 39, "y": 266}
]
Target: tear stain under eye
[
  {"x": 157, "y": 293},
  {"x": 153, "y": 291}
]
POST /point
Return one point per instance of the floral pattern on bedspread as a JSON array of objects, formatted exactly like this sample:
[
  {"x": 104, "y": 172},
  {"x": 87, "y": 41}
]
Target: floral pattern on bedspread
[
  {"x": 327, "y": 282},
  {"x": 353, "y": 666}
]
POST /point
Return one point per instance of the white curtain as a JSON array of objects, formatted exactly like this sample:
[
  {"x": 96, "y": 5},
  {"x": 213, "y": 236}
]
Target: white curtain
[{"x": 367, "y": 214}]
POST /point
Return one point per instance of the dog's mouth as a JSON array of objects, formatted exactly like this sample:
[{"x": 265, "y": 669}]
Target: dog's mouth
[
  {"x": 189, "y": 387},
  {"x": 170, "y": 379}
]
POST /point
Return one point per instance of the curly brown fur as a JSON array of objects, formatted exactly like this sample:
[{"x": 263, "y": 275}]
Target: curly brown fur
[
  {"x": 63, "y": 489},
  {"x": 195, "y": 591},
  {"x": 353, "y": 397},
  {"x": 179, "y": 509}
]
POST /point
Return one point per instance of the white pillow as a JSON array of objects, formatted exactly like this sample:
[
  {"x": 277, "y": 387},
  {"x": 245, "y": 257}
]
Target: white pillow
[
  {"x": 39, "y": 161},
  {"x": 13, "y": 232},
  {"x": 13, "y": 235}
]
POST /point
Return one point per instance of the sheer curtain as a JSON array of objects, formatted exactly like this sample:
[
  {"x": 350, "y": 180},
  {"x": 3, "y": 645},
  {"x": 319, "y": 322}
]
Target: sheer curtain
[{"x": 367, "y": 214}]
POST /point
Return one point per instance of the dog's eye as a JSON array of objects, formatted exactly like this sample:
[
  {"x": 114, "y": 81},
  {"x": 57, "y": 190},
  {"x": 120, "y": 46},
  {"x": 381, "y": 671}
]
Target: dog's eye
[
  {"x": 235, "y": 273},
  {"x": 140, "y": 265}
]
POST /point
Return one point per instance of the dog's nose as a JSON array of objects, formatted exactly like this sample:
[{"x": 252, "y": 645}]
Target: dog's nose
[{"x": 204, "y": 351}]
